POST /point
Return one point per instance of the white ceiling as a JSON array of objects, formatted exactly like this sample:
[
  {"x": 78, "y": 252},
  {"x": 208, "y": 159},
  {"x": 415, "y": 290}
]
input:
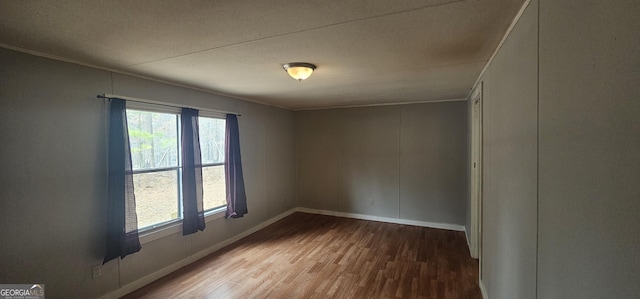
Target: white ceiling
[{"x": 367, "y": 52}]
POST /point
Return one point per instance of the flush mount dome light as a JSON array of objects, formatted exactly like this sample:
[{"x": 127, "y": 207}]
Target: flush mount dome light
[{"x": 299, "y": 70}]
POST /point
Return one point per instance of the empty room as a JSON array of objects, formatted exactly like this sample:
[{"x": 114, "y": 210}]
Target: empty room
[{"x": 328, "y": 149}]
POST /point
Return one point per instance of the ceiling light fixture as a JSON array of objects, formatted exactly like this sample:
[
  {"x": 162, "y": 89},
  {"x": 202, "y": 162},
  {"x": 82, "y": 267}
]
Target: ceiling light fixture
[{"x": 299, "y": 70}]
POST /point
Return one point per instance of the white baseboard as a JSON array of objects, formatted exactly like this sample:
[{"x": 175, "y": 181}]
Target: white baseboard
[
  {"x": 466, "y": 237},
  {"x": 471, "y": 253},
  {"x": 145, "y": 280},
  {"x": 446, "y": 226},
  {"x": 483, "y": 290}
]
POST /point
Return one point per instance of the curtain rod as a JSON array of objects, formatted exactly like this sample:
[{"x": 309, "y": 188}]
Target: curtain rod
[{"x": 139, "y": 100}]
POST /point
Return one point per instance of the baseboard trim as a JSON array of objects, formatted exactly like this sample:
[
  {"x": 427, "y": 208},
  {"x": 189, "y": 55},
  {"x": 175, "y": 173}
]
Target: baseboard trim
[
  {"x": 145, "y": 280},
  {"x": 483, "y": 291},
  {"x": 446, "y": 226},
  {"x": 466, "y": 237}
]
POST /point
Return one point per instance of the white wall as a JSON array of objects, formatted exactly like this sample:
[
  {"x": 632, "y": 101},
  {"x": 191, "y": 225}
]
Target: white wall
[
  {"x": 404, "y": 161},
  {"x": 53, "y": 174},
  {"x": 589, "y": 192}
]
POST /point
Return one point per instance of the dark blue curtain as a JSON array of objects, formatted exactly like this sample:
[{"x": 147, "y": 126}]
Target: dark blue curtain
[
  {"x": 236, "y": 196},
  {"x": 193, "y": 212},
  {"x": 122, "y": 221}
]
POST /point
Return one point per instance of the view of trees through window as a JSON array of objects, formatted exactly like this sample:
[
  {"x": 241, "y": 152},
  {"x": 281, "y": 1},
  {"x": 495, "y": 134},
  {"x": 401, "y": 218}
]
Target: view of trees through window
[
  {"x": 212, "y": 131},
  {"x": 155, "y": 156}
]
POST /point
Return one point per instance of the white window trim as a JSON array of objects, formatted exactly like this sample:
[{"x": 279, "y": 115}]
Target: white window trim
[
  {"x": 153, "y": 107},
  {"x": 212, "y": 114}
]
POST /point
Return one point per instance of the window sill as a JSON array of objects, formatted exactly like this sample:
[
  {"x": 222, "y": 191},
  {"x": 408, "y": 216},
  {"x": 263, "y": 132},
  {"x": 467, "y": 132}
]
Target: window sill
[
  {"x": 215, "y": 214},
  {"x": 176, "y": 227}
]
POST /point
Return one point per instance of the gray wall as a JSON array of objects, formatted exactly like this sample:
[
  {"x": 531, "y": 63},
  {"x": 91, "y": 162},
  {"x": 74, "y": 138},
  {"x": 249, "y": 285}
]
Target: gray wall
[
  {"x": 53, "y": 174},
  {"x": 562, "y": 133},
  {"x": 589, "y": 192},
  {"x": 510, "y": 164},
  {"x": 404, "y": 161}
]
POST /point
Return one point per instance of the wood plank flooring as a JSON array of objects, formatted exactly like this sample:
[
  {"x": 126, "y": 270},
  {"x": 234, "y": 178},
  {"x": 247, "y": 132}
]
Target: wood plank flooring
[{"x": 317, "y": 256}]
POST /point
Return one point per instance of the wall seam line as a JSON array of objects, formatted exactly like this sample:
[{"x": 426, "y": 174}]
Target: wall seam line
[
  {"x": 537, "y": 152},
  {"x": 399, "y": 159}
]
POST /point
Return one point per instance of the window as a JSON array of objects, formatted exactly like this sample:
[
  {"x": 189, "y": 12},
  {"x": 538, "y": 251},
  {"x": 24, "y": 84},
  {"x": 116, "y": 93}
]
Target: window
[
  {"x": 212, "y": 134},
  {"x": 154, "y": 137}
]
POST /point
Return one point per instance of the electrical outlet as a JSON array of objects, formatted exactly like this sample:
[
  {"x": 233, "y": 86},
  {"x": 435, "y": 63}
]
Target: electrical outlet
[{"x": 96, "y": 271}]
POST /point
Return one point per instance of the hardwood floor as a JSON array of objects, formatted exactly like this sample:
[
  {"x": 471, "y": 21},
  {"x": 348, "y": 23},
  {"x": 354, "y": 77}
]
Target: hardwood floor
[{"x": 317, "y": 256}]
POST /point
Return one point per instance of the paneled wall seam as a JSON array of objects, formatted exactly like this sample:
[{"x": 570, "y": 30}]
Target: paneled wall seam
[
  {"x": 399, "y": 161},
  {"x": 537, "y": 151}
]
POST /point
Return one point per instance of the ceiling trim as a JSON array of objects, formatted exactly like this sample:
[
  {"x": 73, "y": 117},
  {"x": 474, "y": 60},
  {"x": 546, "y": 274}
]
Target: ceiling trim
[
  {"x": 382, "y": 104},
  {"x": 502, "y": 41}
]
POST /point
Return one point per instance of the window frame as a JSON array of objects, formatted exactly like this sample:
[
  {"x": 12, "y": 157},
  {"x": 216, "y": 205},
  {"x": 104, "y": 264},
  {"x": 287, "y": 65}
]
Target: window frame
[
  {"x": 222, "y": 116},
  {"x": 162, "y": 229}
]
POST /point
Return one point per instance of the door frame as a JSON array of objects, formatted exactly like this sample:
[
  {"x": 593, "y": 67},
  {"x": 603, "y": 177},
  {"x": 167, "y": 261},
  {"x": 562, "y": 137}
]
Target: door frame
[{"x": 476, "y": 174}]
